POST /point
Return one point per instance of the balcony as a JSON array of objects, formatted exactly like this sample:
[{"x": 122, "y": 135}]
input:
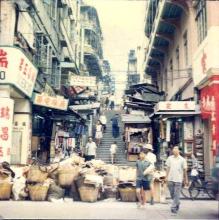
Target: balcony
[
  {"x": 89, "y": 50},
  {"x": 166, "y": 21},
  {"x": 90, "y": 26}
]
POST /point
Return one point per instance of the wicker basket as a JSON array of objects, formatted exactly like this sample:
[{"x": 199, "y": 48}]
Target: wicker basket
[
  {"x": 36, "y": 175},
  {"x": 88, "y": 193},
  {"x": 38, "y": 192},
  {"x": 67, "y": 176},
  {"x": 5, "y": 190},
  {"x": 128, "y": 194}
]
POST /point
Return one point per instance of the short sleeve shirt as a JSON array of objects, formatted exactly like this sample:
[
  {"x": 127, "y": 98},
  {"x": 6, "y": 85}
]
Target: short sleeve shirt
[
  {"x": 142, "y": 165},
  {"x": 91, "y": 148},
  {"x": 151, "y": 158},
  {"x": 176, "y": 167}
]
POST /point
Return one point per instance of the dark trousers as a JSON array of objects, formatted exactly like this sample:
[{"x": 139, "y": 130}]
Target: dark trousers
[{"x": 115, "y": 131}]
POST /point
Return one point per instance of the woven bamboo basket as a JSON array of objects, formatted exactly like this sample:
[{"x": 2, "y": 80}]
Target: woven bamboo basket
[
  {"x": 36, "y": 175},
  {"x": 38, "y": 192},
  {"x": 67, "y": 176},
  {"x": 5, "y": 190},
  {"x": 128, "y": 194},
  {"x": 88, "y": 193}
]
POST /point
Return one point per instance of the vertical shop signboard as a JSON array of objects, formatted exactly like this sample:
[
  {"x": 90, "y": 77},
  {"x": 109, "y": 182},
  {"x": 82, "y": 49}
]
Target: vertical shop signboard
[
  {"x": 210, "y": 110},
  {"x": 6, "y": 123}
]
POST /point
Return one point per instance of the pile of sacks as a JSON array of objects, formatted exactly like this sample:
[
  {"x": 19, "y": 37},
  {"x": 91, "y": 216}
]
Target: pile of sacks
[{"x": 82, "y": 181}]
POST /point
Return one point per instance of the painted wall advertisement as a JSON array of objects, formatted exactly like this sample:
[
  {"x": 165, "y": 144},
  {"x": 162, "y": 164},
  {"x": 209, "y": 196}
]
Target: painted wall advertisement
[
  {"x": 6, "y": 122},
  {"x": 17, "y": 69}
]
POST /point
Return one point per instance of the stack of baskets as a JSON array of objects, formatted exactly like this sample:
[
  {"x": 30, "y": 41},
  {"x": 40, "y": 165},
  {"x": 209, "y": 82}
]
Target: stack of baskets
[{"x": 36, "y": 183}]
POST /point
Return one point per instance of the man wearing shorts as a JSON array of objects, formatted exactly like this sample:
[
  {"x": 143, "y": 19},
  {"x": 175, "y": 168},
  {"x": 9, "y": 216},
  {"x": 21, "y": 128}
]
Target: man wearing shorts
[{"x": 143, "y": 179}]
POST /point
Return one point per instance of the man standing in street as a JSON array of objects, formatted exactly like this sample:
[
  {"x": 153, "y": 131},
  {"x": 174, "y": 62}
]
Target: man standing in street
[
  {"x": 115, "y": 126},
  {"x": 91, "y": 148},
  {"x": 176, "y": 174},
  {"x": 151, "y": 157},
  {"x": 143, "y": 179}
]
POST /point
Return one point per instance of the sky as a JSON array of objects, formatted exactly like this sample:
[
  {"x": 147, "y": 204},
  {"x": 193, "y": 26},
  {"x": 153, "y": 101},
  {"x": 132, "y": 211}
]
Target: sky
[{"x": 122, "y": 24}]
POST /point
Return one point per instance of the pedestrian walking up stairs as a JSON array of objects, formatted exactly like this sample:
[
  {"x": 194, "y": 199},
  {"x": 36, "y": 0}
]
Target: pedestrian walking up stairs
[{"x": 103, "y": 151}]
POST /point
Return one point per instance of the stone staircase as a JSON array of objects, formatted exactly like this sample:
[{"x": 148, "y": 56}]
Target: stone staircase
[{"x": 103, "y": 151}]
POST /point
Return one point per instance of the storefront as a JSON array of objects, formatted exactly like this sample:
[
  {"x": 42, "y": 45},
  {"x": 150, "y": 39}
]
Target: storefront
[
  {"x": 55, "y": 127},
  {"x": 206, "y": 79},
  {"x": 179, "y": 126},
  {"x": 137, "y": 132},
  {"x": 17, "y": 79}
]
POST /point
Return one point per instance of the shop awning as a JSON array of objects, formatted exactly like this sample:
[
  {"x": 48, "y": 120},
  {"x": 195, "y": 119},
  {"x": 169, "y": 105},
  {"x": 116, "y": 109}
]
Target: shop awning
[
  {"x": 94, "y": 105},
  {"x": 175, "y": 114},
  {"x": 139, "y": 119}
]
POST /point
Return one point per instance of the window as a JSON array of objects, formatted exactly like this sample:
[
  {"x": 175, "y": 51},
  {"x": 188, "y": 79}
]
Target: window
[
  {"x": 171, "y": 71},
  {"x": 185, "y": 46},
  {"x": 201, "y": 19},
  {"x": 177, "y": 61}
]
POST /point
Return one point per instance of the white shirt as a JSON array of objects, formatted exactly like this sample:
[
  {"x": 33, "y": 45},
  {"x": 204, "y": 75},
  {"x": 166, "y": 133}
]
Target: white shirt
[
  {"x": 112, "y": 98},
  {"x": 103, "y": 119},
  {"x": 113, "y": 148},
  {"x": 176, "y": 167},
  {"x": 91, "y": 148},
  {"x": 151, "y": 158},
  {"x": 98, "y": 128}
]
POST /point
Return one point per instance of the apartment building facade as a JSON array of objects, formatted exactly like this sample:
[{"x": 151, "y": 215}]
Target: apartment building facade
[
  {"x": 176, "y": 61},
  {"x": 40, "y": 49},
  {"x": 91, "y": 55}
]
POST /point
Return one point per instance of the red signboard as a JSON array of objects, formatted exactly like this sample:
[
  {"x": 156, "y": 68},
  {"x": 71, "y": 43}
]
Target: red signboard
[{"x": 210, "y": 110}]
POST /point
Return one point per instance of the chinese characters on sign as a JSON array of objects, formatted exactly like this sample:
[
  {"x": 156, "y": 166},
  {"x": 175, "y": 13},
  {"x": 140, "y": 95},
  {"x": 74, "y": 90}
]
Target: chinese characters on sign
[
  {"x": 17, "y": 69},
  {"x": 52, "y": 102},
  {"x": 209, "y": 110},
  {"x": 88, "y": 81},
  {"x": 6, "y": 122},
  {"x": 176, "y": 106}
]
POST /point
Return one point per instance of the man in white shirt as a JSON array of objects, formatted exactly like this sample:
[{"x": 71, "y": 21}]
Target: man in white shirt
[
  {"x": 113, "y": 149},
  {"x": 151, "y": 157},
  {"x": 176, "y": 174},
  {"x": 91, "y": 148}
]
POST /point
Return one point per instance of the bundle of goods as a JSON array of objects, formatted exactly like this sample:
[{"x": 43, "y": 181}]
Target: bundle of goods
[
  {"x": 89, "y": 185},
  {"x": 37, "y": 182},
  {"x": 127, "y": 174},
  {"x": 67, "y": 174},
  {"x": 37, "y": 174},
  {"x": 127, "y": 182},
  {"x": 6, "y": 175},
  {"x": 55, "y": 192}
]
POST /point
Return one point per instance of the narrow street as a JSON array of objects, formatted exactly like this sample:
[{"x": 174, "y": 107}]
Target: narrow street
[
  {"x": 148, "y": 70},
  {"x": 106, "y": 210}
]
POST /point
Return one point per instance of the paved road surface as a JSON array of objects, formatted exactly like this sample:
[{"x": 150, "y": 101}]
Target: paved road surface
[{"x": 105, "y": 210}]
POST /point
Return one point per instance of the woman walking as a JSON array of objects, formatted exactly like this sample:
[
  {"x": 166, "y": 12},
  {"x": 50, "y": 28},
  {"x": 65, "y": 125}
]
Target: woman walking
[{"x": 99, "y": 132}]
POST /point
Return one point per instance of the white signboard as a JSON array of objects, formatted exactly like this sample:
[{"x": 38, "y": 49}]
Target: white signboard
[
  {"x": 85, "y": 107},
  {"x": 50, "y": 101},
  {"x": 89, "y": 81},
  {"x": 17, "y": 69},
  {"x": 175, "y": 106},
  {"x": 207, "y": 56},
  {"x": 6, "y": 122}
]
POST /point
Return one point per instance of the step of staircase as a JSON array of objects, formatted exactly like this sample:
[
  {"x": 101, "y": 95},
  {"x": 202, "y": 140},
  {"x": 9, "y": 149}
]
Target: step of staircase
[{"x": 103, "y": 151}]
